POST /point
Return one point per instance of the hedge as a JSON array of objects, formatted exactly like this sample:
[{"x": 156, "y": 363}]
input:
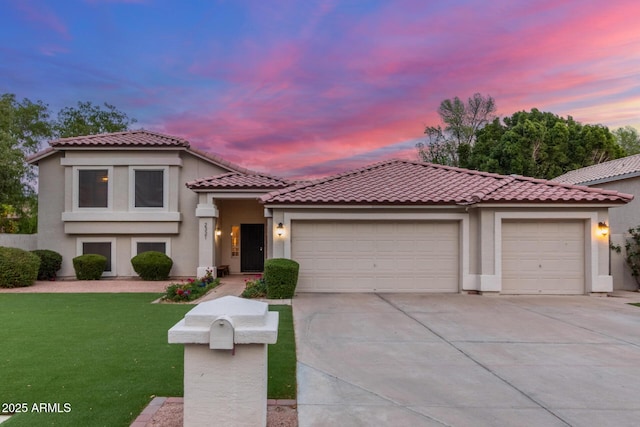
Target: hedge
[
  {"x": 50, "y": 263},
  {"x": 281, "y": 276},
  {"x": 18, "y": 267},
  {"x": 89, "y": 266},
  {"x": 152, "y": 265}
]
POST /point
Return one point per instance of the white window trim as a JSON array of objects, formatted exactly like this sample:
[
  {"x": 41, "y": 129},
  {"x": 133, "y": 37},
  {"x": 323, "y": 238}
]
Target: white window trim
[
  {"x": 136, "y": 240},
  {"x": 165, "y": 188},
  {"x": 111, "y": 240},
  {"x": 76, "y": 188}
]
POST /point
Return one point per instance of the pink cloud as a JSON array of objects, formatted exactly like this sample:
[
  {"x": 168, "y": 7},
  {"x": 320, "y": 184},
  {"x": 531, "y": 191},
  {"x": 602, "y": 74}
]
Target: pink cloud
[
  {"x": 42, "y": 16},
  {"x": 377, "y": 80}
]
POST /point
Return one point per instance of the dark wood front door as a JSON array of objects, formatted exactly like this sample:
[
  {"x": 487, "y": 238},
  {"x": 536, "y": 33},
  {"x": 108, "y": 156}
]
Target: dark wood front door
[{"x": 251, "y": 247}]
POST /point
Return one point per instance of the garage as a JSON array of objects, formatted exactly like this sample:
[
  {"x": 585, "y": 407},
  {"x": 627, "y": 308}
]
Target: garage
[
  {"x": 543, "y": 257},
  {"x": 377, "y": 256}
]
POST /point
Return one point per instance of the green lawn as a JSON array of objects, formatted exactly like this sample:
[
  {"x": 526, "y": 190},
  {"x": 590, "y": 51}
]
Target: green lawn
[
  {"x": 282, "y": 357},
  {"x": 104, "y": 355}
]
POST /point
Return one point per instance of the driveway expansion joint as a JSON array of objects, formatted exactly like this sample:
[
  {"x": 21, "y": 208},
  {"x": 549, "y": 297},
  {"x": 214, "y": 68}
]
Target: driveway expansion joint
[{"x": 477, "y": 362}]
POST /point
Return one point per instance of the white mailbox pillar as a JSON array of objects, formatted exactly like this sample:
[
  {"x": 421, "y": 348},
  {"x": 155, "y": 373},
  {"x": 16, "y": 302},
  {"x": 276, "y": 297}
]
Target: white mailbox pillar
[{"x": 225, "y": 361}]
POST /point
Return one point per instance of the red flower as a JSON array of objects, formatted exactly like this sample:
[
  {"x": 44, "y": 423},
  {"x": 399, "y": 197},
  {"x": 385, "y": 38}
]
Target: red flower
[{"x": 179, "y": 291}]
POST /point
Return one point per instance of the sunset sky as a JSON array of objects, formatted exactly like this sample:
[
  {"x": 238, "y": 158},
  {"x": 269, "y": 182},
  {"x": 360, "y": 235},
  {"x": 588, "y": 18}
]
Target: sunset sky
[{"x": 305, "y": 88}]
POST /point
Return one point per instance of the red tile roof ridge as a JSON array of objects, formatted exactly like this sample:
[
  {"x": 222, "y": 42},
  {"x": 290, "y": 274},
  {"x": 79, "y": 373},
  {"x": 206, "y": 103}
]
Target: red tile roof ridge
[
  {"x": 199, "y": 181},
  {"x": 60, "y": 141},
  {"x": 497, "y": 189}
]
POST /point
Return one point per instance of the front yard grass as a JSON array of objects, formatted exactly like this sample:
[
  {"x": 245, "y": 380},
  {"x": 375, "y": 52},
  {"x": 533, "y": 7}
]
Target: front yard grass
[{"x": 104, "y": 355}]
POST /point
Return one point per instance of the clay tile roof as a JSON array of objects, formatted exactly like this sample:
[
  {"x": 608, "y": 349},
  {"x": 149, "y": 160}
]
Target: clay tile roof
[
  {"x": 613, "y": 170},
  {"x": 415, "y": 183},
  {"x": 235, "y": 180},
  {"x": 135, "y": 138}
]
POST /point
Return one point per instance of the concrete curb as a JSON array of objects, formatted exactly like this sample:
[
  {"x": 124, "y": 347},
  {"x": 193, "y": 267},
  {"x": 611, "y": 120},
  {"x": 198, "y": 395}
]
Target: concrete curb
[{"x": 156, "y": 403}]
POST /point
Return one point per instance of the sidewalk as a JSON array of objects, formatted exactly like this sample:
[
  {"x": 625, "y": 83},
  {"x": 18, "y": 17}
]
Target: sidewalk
[{"x": 229, "y": 285}]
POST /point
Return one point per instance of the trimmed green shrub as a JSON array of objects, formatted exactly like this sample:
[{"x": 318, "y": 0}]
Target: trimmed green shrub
[
  {"x": 89, "y": 266},
  {"x": 50, "y": 263},
  {"x": 17, "y": 267},
  {"x": 281, "y": 276},
  {"x": 152, "y": 265}
]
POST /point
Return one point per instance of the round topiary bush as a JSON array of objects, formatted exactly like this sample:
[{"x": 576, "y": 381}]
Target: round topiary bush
[
  {"x": 281, "y": 276},
  {"x": 50, "y": 263},
  {"x": 17, "y": 267},
  {"x": 89, "y": 266},
  {"x": 152, "y": 265}
]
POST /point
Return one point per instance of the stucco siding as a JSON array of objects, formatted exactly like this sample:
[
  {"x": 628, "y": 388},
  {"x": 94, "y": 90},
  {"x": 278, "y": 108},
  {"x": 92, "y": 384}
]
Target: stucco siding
[
  {"x": 621, "y": 219},
  {"x": 119, "y": 224}
]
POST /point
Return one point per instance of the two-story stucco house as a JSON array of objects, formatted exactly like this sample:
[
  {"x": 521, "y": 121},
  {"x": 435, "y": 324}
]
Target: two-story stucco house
[
  {"x": 394, "y": 226},
  {"x": 124, "y": 193}
]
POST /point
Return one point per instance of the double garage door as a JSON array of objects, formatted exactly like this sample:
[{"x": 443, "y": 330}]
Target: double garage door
[
  {"x": 538, "y": 257},
  {"x": 376, "y": 256}
]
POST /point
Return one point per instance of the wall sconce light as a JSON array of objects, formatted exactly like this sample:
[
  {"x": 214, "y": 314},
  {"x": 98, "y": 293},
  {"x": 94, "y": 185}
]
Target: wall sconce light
[
  {"x": 218, "y": 232},
  {"x": 603, "y": 228},
  {"x": 280, "y": 230}
]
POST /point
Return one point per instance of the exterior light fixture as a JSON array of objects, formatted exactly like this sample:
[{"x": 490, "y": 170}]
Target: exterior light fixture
[
  {"x": 280, "y": 230},
  {"x": 218, "y": 232},
  {"x": 603, "y": 228}
]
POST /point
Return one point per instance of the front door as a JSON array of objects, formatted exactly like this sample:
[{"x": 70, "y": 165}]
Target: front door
[{"x": 251, "y": 247}]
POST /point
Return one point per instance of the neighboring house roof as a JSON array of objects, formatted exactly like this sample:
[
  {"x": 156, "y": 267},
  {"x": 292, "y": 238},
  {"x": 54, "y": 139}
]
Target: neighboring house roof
[
  {"x": 613, "y": 170},
  {"x": 407, "y": 182},
  {"x": 235, "y": 180}
]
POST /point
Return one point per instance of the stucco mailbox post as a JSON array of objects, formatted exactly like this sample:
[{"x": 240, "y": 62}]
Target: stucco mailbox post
[{"x": 225, "y": 361}]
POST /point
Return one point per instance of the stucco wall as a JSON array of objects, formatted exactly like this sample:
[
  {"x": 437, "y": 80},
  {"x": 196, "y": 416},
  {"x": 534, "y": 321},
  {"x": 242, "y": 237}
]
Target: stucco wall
[
  {"x": 480, "y": 252},
  {"x": 622, "y": 219},
  {"x": 28, "y": 242},
  {"x": 119, "y": 225}
]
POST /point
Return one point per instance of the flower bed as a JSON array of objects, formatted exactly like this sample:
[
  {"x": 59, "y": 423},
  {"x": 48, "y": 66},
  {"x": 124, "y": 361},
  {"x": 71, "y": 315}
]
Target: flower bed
[
  {"x": 190, "y": 290},
  {"x": 256, "y": 288}
]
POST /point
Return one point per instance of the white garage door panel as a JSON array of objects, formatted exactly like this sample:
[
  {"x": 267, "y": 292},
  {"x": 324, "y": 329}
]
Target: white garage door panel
[
  {"x": 540, "y": 257},
  {"x": 367, "y": 256}
]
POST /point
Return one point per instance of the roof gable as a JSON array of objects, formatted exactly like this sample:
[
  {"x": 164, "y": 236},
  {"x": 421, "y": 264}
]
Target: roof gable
[
  {"x": 613, "y": 170},
  {"x": 138, "y": 138},
  {"x": 403, "y": 182}
]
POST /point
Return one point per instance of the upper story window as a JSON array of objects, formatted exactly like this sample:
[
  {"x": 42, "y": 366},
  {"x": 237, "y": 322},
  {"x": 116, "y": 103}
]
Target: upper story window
[
  {"x": 148, "y": 187},
  {"x": 92, "y": 188}
]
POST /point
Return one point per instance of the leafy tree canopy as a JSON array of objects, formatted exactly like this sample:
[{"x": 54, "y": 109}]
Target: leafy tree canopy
[
  {"x": 24, "y": 127},
  {"x": 541, "y": 145},
  {"x": 628, "y": 138},
  {"x": 89, "y": 119},
  {"x": 451, "y": 144}
]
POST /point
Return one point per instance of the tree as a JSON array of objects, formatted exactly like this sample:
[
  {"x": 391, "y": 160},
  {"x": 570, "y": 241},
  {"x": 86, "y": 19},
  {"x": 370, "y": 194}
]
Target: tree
[
  {"x": 541, "y": 145},
  {"x": 24, "y": 127},
  {"x": 89, "y": 119},
  {"x": 628, "y": 138},
  {"x": 452, "y": 144}
]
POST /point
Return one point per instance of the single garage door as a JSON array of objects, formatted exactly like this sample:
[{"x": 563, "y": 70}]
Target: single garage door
[
  {"x": 543, "y": 257},
  {"x": 376, "y": 256}
]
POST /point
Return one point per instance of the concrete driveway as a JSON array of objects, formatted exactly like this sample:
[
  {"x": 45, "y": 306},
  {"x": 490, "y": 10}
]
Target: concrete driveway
[{"x": 465, "y": 360}]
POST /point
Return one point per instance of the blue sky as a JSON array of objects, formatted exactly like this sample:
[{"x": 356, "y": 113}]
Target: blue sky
[{"x": 304, "y": 88}]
